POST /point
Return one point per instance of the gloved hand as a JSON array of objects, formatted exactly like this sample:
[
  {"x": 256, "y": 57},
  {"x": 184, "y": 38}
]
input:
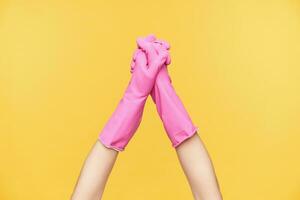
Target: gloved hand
[
  {"x": 126, "y": 118},
  {"x": 174, "y": 116}
]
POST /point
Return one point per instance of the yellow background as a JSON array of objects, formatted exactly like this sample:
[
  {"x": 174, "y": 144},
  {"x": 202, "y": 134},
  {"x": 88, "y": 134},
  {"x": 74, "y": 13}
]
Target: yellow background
[{"x": 65, "y": 65}]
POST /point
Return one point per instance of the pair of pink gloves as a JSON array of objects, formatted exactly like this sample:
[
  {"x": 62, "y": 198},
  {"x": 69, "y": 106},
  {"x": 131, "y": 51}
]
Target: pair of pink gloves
[{"x": 149, "y": 76}]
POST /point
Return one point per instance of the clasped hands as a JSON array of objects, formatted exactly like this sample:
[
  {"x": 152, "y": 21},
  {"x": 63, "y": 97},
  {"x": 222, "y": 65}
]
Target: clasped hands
[{"x": 149, "y": 77}]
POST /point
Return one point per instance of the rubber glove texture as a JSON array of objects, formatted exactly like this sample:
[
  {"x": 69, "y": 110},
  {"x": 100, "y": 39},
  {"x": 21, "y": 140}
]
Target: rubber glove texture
[
  {"x": 123, "y": 123},
  {"x": 170, "y": 108}
]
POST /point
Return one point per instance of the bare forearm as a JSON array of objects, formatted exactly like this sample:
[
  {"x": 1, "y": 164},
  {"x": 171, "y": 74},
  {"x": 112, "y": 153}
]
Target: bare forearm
[
  {"x": 198, "y": 169},
  {"x": 94, "y": 173}
]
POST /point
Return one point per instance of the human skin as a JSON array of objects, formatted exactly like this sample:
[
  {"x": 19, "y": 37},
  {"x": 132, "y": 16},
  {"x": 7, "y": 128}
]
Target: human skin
[
  {"x": 198, "y": 168},
  {"x": 193, "y": 157},
  {"x": 94, "y": 173}
]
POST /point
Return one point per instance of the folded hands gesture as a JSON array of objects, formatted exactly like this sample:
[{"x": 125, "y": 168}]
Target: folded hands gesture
[{"x": 149, "y": 77}]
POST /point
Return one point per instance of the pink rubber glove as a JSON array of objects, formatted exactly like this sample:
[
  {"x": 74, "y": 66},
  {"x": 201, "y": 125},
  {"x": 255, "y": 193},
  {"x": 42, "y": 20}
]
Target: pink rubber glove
[
  {"x": 126, "y": 118},
  {"x": 174, "y": 116}
]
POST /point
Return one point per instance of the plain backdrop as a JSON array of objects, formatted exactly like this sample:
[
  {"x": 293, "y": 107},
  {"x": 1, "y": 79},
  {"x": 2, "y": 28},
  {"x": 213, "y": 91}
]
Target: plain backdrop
[{"x": 64, "y": 66}]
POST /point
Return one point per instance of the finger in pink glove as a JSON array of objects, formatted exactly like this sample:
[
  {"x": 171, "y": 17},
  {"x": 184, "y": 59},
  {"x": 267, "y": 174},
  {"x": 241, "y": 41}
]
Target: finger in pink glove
[
  {"x": 172, "y": 112},
  {"x": 125, "y": 120}
]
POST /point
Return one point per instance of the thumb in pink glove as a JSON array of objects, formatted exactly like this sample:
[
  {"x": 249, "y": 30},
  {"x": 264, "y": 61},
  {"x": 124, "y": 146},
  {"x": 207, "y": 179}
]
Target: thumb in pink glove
[{"x": 125, "y": 120}]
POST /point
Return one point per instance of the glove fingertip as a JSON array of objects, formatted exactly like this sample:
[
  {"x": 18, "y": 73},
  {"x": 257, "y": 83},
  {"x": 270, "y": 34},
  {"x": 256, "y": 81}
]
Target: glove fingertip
[
  {"x": 168, "y": 61},
  {"x": 132, "y": 65},
  {"x": 164, "y": 43},
  {"x": 143, "y": 43},
  {"x": 135, "y": 54},
  {"x": 151, "y": 37}
]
